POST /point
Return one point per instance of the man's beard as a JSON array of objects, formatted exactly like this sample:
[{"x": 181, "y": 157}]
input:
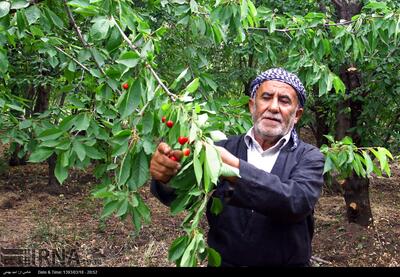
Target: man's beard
[{"x": 274, "y": 132}]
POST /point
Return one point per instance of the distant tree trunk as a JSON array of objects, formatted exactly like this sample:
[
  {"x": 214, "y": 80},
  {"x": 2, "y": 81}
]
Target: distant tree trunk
[
  {"x": 356, "y": 189},
  {"x": 356, "y": 195},
  {"x": 14, "y": 159},
  {"x": 42, "y": 99},
  {"x": 52, "y": 166}
]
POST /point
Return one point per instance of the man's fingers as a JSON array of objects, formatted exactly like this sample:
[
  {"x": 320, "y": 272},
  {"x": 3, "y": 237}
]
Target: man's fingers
[
  {"x": 164, "y": 148},
  {"x": 177, "y": 153}
]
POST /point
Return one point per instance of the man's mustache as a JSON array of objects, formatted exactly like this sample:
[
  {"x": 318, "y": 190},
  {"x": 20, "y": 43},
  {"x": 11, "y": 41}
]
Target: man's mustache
[{"x": 272, "y": 117}]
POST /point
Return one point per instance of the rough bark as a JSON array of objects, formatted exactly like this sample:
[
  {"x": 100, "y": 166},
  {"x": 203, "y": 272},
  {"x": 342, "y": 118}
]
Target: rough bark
[
  {"x": 356, "y": 189},
  {"x": 356, "y": 195}
]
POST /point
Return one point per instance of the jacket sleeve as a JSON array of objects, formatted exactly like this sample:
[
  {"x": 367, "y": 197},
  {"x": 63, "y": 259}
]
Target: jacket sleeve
[
  {"x": 165, "y": 195},
  {"x": 289, "y": 201}
]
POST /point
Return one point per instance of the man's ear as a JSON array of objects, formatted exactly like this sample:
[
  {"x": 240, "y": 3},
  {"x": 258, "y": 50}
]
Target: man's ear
[
  {"x": 299, "y": 113},
  {"x": 251, "y": 105}
]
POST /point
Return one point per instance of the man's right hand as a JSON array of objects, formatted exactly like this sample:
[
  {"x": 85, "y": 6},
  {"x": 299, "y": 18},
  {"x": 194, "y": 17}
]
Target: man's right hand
[{"x": 162, "y": 167}]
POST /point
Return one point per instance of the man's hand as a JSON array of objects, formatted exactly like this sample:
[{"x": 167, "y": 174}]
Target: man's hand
[
  {"x": 162, "y": 167},
  {"x": 229, "y": 159}
]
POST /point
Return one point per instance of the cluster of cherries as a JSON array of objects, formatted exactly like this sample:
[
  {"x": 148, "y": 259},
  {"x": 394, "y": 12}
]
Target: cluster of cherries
[{"x": 182, "y": 140}]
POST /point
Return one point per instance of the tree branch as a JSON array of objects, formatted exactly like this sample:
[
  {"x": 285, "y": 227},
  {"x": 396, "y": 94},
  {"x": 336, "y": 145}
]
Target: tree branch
[
  {"x": 172, "y": 96},
  {"x": 79, "y": 33},
  {"x": 298, "y": 28},
  {"x": 72, "y": 58},
  {"x": 338, "y": 3}
]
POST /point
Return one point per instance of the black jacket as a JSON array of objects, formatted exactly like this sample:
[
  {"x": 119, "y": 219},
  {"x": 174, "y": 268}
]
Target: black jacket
[{"x": 267, "y": 219}]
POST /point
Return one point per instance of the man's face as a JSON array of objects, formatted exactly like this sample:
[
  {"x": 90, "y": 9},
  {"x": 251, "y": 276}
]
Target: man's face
[{"x": 274, "y": 109}]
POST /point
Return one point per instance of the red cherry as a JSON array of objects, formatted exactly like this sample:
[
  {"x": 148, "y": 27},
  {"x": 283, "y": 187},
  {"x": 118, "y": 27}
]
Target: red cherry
[
  {"x": 170, "y": 123},
  {"x": 173, "y": 158},
  {"x": 125, "y": 86},
  {"x": 182, "y": 140},
  {"x": 163, "y": 119},
  {"x": 186, "y": 152}
]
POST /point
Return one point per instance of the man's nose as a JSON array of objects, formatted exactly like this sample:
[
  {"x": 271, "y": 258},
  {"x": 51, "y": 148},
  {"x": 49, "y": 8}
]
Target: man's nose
[{"x": 274, "y": 105}]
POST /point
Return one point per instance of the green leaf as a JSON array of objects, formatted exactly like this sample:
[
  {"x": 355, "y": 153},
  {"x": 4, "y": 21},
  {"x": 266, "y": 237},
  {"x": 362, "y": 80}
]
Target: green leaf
[
  {"x": 79, "y": 149},
  {"x": 67, "y": 122},
  {"x": 50, "y": 134},
  {"x": 212, "y": 164},
  {"x": 383, "y": 160},
  {"x": 244, "y": 9},
  {"x": 25, "y": 124},
  {"x": 181, "y": 75},
  {"x": 253, "y": 10},
  {"x": 214, "y": 258},
  {"x": 329, "y": 138},
  {"x": 198, "y": 170},
  {"x": 193, "y": 86},
  {"x": 216, "y": 206},
  {"x": 148, "y": 122},
  {"x": 19, "y": 4},
  {"x": 329, "y": 165},
  {"x": 229, "y": 171},
  {"x": 54, "y": 18},
  {"x": 339, "y": 85},
  {"x": 188, "y": 253},
  {"x": 368, "y": 162},
  {"x": 177, "y": 248},
  {"x": 109, "y": 208},
  {"x": 60, "y": 172},
  {"x": 4, "y": 69},
  {"x": 93, "y": 153},
  {"x": 217, "y": 136},
  {"x": 130, "y": 100},
  {"x": 123, "y": 208},
  {"x": 136, "y": 219},
  {"x": 143, "y": 210},
  {"x": 129, "y": 59},
  {"x": 125, "y": 170},
  {"x": 4, "y": 8},
  {"x": 40, "y": 155},
  {"x": 32, "y": 14},
  {"x": 99, "y": 29},
  {"x": 98, "y": 56},
  {"x": 79, "y": 3},
  {"x": 134, "y": 200},
  {"x": 82, "y": 122},
  {"x": 139, "y": 171},
  {"x": 21, "y": 20}
]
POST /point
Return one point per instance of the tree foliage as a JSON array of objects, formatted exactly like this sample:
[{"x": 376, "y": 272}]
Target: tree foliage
[{"x": 191, "y": 61}]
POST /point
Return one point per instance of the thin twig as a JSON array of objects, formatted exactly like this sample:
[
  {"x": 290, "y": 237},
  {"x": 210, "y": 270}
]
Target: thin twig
[
  {"x": 299, "y": 28},
  {"x": 338, "y": 3},
  {"x": 320, "y": 260},
  {"x": 72, "y": 58},
  {"x": 134, "y": 48},
  {"x": 80, "y": 36}
]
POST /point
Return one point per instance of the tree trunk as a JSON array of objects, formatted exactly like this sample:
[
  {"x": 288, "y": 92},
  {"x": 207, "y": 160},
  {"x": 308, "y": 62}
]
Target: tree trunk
[
  {"x": 356, "y": 189},
  {"x": 356, "y": 195},
  {"x": 14, "y": 159}
]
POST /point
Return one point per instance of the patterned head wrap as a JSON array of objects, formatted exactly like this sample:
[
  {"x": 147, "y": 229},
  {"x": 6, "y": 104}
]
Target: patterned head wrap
[{"x": 280, "y": 74}]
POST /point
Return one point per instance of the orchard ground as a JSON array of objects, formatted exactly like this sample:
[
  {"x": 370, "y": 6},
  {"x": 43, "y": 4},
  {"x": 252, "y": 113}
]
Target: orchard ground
[{"x": 31, "y": 218}]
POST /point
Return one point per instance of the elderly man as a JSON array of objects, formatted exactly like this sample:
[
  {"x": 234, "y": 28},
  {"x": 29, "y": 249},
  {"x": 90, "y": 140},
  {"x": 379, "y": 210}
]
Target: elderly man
[{"x": 267, "y": 219}]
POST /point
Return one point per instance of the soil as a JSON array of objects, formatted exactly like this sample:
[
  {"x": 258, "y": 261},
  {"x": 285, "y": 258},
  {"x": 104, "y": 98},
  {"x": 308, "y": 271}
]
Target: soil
[{"x": 33, "y": 219}]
